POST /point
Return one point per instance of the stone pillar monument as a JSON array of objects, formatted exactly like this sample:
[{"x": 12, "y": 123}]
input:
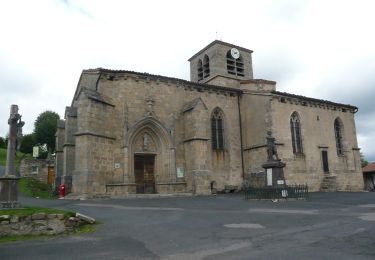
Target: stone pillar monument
[
  {"x": 8, "y": 183},
  {"x": 14, "y": 140},
  {"x": 273, "y": 166}
]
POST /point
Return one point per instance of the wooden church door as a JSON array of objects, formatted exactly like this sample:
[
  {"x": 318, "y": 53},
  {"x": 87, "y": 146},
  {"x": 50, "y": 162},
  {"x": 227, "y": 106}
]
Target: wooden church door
[{"x": 144, "y": 170}]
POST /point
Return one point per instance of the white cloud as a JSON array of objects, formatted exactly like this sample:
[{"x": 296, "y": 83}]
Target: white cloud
[{"x": 322, "y": 49}]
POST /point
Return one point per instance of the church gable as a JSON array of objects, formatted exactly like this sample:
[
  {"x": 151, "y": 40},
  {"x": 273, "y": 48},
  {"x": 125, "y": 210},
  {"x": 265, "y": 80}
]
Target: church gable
[{"x": 88, "y": 80}]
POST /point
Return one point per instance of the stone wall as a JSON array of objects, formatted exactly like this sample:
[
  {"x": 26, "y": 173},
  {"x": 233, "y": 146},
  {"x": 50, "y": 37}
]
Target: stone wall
[
  {"x": 115, "y": 118},
  {"x": 265, "y": 110},
  {"x": 94, "y": 164},
  {"x": 35, "y": 168},
  {"x": 317, "y": 132},
  {"x": 39, "y": 224}
]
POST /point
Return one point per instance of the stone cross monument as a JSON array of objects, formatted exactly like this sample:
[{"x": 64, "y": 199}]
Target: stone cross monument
[
  {"x": 8, "y": 183},
  {"x": 14, "y": 140}
]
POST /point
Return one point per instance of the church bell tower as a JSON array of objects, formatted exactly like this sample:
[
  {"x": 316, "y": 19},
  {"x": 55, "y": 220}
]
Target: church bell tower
[{"x": 221, "y": 61}]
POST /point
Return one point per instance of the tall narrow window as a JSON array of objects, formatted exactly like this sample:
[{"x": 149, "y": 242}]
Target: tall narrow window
[
  {"x": 295, "y": 128},
  {"x": 200, "y": 70},
  {"x": 338, "y": 136},
  {"x": 325, "y": 161},
  {"x": 217, "y": 129},
  {"x": 206, "y": 66}
]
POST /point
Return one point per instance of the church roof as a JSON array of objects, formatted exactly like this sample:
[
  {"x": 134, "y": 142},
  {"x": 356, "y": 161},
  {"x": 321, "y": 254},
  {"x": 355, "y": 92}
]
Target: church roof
[
  {"x": 314, "y": 100},
  {"x": 204, "y": 86},
  {"x": 145, "y": 75},
  {"x": 369, "y": 168}
]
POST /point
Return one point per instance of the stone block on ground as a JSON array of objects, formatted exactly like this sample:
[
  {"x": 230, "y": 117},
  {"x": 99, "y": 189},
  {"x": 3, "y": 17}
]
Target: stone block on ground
[
  {"x": 85, "y": 218},
  {"x": 4, "y": 217},
  {"x": 38, "y": 216}
]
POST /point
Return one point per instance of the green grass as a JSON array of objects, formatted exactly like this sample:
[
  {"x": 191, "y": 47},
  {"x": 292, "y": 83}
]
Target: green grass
[
  {"x": 3, "y": 156},
  {"x": 28, "y": 210},
  {"x": 19, "y": 156},
  {"x": 35, "y": 188}
]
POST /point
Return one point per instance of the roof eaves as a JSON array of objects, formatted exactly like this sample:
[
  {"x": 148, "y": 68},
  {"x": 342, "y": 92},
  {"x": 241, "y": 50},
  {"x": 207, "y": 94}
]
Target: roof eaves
[
  {"x": 264, "y": 81},
  {"x": 369, "y": 168},
  {"x": 174, "y": 80},
  {"x": 285, "y": 94}
]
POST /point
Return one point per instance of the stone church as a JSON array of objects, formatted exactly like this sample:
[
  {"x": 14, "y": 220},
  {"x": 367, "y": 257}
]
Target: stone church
[{"x": 127, "y": 132}]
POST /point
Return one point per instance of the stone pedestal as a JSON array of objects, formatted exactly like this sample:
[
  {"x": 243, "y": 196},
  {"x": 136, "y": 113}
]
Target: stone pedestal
[
  {"x": 9, "y": 191},
  {"x": 274, "y": 174}
]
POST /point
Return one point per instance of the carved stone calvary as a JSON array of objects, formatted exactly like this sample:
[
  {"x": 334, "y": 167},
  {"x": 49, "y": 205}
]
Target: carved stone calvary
[
  {"x": 14, "y": 140},
  {"x": 8, "y": 183}
]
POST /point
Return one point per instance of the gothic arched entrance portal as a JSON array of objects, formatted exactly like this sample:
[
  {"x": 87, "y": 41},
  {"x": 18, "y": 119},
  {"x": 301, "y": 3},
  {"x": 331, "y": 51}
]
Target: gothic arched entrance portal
[
  {"x": 144, "y": 173},
  {"x": 150, "y": 156}
]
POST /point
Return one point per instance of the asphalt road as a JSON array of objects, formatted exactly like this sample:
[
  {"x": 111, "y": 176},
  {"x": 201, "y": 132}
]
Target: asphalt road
[{"x": 328, "y": 226}]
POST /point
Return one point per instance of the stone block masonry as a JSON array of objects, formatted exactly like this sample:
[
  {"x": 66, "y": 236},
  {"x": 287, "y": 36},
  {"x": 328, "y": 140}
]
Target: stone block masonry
[{"x": 41, "y": 224}]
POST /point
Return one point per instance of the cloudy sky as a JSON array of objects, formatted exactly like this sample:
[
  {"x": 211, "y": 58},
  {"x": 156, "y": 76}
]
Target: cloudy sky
[{"x": 322, "y": 49}]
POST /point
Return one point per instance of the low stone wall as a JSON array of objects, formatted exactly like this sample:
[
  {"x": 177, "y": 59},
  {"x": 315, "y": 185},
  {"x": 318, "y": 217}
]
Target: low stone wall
[
  {"x": 36, "y": 168},
  {"x": 40, "y": 224}
]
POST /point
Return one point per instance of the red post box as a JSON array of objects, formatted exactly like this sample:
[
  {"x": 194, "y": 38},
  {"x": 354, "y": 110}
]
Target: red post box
[{"x": 61, "y": 190}]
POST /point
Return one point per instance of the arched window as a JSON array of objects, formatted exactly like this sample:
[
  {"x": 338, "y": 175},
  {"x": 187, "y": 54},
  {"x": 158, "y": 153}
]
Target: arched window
[
  {"x": 235, "y": 66},
  {"x": 200, "y": 70},
  {"x": 206, "y": 66},
  {"x": 217, "y": 129},
  {"x": 338, "y": 126},
  {"x": 295, "y": 128}
]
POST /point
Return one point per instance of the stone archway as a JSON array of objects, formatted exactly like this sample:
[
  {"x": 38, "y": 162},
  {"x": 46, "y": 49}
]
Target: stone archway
[{"x": 149, "y": 156}]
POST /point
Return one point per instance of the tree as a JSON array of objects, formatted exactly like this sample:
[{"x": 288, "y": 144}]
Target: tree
[
  {"x": 2, "y": 142},
  {"x": 364, "y": 162},
  {"x": 27, "y": 144},
  {"x": 45, "y": 127}
]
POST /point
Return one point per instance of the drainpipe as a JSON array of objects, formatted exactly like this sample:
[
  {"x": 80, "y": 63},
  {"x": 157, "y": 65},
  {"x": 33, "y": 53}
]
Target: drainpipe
[{"x": 240, "y": 119}]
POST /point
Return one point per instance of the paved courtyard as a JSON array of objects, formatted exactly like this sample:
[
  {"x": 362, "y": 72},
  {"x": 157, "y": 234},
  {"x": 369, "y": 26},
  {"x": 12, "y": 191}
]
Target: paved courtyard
[{"x": 328, "y": 226}]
